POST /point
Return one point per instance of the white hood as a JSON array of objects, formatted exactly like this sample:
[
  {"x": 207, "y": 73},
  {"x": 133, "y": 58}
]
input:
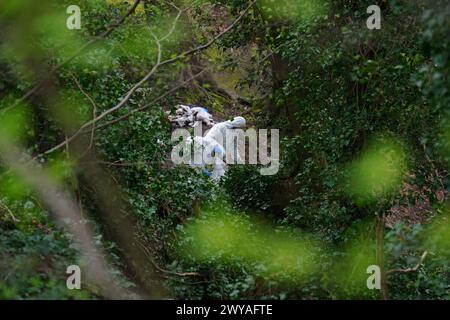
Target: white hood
[{"x": 238, "y": 122}]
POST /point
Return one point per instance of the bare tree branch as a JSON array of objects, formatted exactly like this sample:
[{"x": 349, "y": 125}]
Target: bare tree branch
[
  {"x": 152, "y": 103},
  {"x": 143, "y": 80},
  {"x": 116, "y": 107}
]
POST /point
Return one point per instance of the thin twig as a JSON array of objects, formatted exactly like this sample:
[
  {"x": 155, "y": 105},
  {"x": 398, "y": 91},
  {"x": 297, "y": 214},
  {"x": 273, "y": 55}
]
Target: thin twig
[
  {"x": 94, "y": 112},
  {"x": 174, "y": 23}
]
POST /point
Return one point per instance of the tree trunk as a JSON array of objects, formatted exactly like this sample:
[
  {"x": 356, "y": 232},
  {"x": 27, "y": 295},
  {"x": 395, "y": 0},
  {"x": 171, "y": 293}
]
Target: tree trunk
[{"x": 380, "y": 256}]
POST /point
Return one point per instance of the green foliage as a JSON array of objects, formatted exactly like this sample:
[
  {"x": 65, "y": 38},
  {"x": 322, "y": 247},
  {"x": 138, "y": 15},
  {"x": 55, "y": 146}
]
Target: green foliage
[
  {"x": 238, "y": 255},
  {"x": 34, "y": 252},
  {"x": 343, "y": 90},
  {"x": 223, "y": 237},
  {"x": 253, "y": 194},
  {"x": 148, "y": 176},
  {"x": 378, "y": 173},
  {"x": 33, "y": 260},
  {"x": 405, "y": 245}
]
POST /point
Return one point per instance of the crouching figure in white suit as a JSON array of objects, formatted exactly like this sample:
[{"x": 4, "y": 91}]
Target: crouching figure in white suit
[{"x": 210, "y": 150}]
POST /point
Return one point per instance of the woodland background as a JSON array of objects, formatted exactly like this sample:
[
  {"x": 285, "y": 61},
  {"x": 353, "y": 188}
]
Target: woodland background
[{"x": 365, "y": 149}]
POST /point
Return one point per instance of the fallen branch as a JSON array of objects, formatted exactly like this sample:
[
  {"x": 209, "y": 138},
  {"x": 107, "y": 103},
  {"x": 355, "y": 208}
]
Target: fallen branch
[
  {"x": 408, "y": 270},
  {"x": 11, "y": 214},
  {"x": 134, "y": 164},
  {"x": 179, "y": 274}
]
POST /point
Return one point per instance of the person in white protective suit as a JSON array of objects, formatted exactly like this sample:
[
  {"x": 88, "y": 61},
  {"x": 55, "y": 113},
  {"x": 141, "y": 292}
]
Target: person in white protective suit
[
  {"x": 218, "y": 135},
  {"x": 208, "y": 151},
  {"x": 219, "y": 131}
]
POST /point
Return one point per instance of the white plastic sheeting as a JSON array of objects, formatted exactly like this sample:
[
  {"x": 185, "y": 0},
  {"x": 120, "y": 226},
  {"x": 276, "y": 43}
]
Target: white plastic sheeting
[{"x": 191, "y": 116}]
